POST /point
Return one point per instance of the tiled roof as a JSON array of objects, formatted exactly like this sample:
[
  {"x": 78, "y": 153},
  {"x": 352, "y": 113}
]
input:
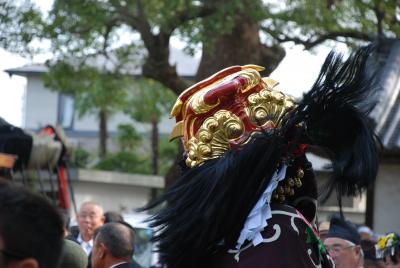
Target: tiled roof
[
  {"x": 387, "y": 112},
  {"x": 27, "y": 69}
]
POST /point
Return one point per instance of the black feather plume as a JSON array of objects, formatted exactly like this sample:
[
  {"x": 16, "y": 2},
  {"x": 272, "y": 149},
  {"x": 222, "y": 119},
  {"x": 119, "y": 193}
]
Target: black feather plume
[
  {"x": 197, "y": 223},
  {"x": 334, "y": 114}
]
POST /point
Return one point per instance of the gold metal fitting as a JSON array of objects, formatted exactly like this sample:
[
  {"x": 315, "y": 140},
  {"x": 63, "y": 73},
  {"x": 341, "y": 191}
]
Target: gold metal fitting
[
  {"x": 298, "y": 182},
  {"x": 281, "y": 190},
  {"x": 300, "y": 173},
  {"x": 291, "y": 192},
  {"x": 287, "y": 189}
]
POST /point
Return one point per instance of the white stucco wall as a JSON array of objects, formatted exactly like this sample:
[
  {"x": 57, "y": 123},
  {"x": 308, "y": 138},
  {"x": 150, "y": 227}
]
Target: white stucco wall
[
  {"x": 41, "y": 107},
  {"x": 115, "y": 197},
  {"x": 40, "y": 104},
  {"x": 387, "y": 199},
  {"x": 90, "y": 122}
]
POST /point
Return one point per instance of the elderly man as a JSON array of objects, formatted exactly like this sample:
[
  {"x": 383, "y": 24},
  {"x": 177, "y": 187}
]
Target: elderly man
[
  {"x": 31, "y": 230},
  {"x": 90, "y": 217},
  {"x": 343, "y": 243},
  {"x": 113, "y": 246}
]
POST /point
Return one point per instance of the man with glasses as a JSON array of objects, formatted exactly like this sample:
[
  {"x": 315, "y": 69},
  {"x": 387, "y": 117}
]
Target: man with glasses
[
  {"x": 343, "y": 243},
  {"x": 31, "y": 230}
]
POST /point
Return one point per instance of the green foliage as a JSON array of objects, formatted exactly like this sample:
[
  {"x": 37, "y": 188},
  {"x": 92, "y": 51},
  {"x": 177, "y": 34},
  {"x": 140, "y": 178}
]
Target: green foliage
[
  {"x": 168, "y": 151},
  {"x": 149, "y": 101},
  {"x": 93, "y": 89},
  {"x": 21, "y": 25},
  {"x": 136, "y": 159},
  {"x": 128, "y": 138},
  {"x": 80, "y": 158},
  {"x": 221, "y": 21},
  {"x": 311, "y": 22},
  {"x": 125, "y": 161},
  {"x": 87, "y": 27}
]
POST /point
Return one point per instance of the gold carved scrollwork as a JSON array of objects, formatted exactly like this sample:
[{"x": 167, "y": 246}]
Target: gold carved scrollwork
[
  {"x": 198, "y": 105},
  {"x": 268, "y": 106},
  {"x": 213, "y": 137},
  {"x": 197, "y": 102},
  {"x": 253, "y": 78}
]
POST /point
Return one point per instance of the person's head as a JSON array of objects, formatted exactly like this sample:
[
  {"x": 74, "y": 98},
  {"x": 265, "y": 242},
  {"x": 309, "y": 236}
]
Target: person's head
[
  {"x": 388, "y": 248},
  {"x": 114, "y": 243},
  {"x": 31, "y": 230},
  {"x": 72, "y": 256},
  {"x": 66, "y": 220},
  {"x": 343, "y": 243},
  {"x": 90, "y": 217},
  {"x": 365, "y": 233},
  {"x": 112, "y": 216},
  {"x": 392, "y": 261},
  {"x": 323, "y": 229}
]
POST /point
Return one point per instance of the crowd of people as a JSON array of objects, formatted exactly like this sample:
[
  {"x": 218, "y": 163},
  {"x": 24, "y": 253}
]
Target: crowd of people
[
  {"x": 352, "y": 245},
  {"x": 34, "y": 234}
]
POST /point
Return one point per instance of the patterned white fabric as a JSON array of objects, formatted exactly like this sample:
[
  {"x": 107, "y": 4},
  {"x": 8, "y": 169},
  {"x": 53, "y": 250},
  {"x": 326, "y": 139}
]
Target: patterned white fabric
[{"x": 257, "y": 219}]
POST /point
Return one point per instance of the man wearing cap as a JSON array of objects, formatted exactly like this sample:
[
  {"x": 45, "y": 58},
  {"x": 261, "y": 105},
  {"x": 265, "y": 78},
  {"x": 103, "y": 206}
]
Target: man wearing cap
[{"x": 343, "y": 243}]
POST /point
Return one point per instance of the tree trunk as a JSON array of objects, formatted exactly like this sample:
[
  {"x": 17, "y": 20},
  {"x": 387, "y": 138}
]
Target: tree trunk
[
  {"x": 240, "y": 47},
  {"x": 154, "y": 145},
  {"x": 103, "y": 135}
]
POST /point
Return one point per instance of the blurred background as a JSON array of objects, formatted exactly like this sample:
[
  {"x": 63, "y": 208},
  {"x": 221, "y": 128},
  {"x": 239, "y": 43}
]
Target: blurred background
[{"x": 106, "y": 73}]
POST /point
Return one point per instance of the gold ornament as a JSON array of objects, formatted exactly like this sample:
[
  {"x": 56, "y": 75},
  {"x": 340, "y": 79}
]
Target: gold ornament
[
  {"x": 225, "y": 110},
  {"x": 287, "y": 189},
  {"x": 298, "y": 182},
  {"x": 300, "y": 173},
  {"x": 281, "y": 190}
]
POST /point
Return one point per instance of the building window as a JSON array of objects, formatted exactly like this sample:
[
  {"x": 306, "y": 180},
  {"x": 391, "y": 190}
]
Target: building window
[{"x": 66, "y": 111}]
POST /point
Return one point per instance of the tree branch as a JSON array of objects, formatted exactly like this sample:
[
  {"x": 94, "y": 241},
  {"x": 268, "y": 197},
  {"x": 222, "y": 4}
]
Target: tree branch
[
  {"x": 183, "y": 16},
  {"x": 317, "y": 40},
  {"x": 379, "y": 14},
  {"x": 157, "y": 64}
]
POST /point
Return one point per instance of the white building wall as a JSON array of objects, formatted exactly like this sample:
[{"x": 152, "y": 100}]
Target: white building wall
[
  {"x": 90, "y": 122},
  {"x": 387, "y": 199},
  {"x": 41, "y": 108},
  {"x": 40, "y": 104},
  {"x": 116, "y": 197}
]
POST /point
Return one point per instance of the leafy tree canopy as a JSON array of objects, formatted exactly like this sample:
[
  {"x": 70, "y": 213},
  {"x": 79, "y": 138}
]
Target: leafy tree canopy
[
  {"x": 149, "y": 101},
  {"x": 89, "y": 26},
  {"x": 93, "y": 90},
  {"x": 311, "y": 23}
]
